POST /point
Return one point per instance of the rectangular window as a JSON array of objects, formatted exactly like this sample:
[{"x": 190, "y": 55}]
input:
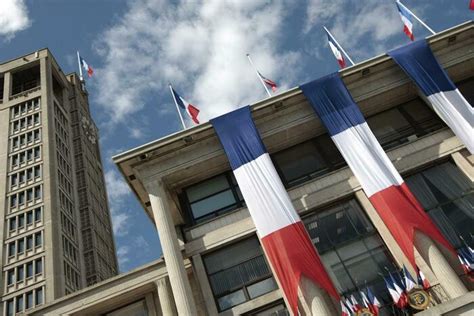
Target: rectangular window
[
  {"x": 404, "y": 123},
  {"x": 351, "y": 248},
  {"x": 29, "y": 300},
  {"x": 19, "y": 303},
  {"x": 20, "y": 273},
  {"x": 29, "y": 269},
  {"x": 21, "y": 246},
  {"x": 10, "y": 277},
  {"x": 39, "y": 266},
  {"x": 308, "y": 160},
  {"x": 213, "y": 197},
  {"x": 447, "y": 195},
  {"x": 13, "y": 179},
  {"x": 38, "y": 239},
  {"x": 238, "y": 273},
  {"x": 11, "y": 249},
  {"x": 39, "y": 296},
  {"x": 12, "y": 224},
  {"x": 13, "y": 200},
  {"x": 29, "y": 242},
  {"x": 29, "y": 218},
  {"x": 21, "y": 221},
  {"x": 9, "y": 308},
  {"x": 37, "y": 214}
]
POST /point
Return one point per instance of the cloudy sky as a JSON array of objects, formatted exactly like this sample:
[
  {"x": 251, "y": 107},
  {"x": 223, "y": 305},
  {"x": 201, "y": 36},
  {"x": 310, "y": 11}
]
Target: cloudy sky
[{"x": 137, "y": 46}]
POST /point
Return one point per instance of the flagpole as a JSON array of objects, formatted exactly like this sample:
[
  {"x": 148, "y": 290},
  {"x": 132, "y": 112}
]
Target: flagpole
[
  {"x": 80, "y": 67},
  {"x": 177, "y": 107},
  {"x": 417, "y": 18},
  {"x": 342, "y": 49},
  {"x": 260, "y": 78}
]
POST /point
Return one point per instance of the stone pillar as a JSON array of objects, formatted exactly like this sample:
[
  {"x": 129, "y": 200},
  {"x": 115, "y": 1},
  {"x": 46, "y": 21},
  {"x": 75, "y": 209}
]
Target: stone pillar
[
  {"x": 201, "y": 275},
  {"x": 313, "y": 300},
  {"x": 443, "y": 271},
  {"x": 7, "y": 86},
  {"x": 463, "y": 164},
  {"x": 165, "y": 296},
  {"x": 171, "y": 252}
]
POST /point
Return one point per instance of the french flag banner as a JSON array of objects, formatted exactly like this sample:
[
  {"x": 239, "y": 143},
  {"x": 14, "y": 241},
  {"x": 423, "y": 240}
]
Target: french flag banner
[
  {"x": 188, "y": 107},
  {"x": 280, "y": 229},
  {"x": 336, "y": 51},
  {"x": 419, "y": 63},
  {"x": 405, "y": 16},
  {"x": 87, "y": 67},
  {"x": 381, "y": 182}
]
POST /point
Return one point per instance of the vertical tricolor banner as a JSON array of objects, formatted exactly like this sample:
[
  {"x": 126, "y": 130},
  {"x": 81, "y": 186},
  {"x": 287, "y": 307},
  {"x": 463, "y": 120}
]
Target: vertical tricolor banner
[
  {"x": 419, "y": 63},
  {"x": 379, "y": 179},
  {"x": 283, "y": 235}
]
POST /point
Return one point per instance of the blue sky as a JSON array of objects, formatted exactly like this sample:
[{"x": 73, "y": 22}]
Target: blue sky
[{"x": 136, "y": 47}]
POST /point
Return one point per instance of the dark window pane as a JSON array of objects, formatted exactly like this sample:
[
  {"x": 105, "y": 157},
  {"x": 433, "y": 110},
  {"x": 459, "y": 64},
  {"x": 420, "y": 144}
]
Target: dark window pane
[
  {"x": 213, "y": 203},
  {"x": 301, "y": 161},
  {"x": 262, "y": 287},
  {"x": 29, "y": 300},
  {"x": 207, "y": 188},
  {"x": 232, "y": 299}
]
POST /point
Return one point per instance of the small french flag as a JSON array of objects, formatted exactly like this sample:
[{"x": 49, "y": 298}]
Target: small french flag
[
  {"x": 405, "y": 15},
  {"x": 344, "y": 310},
  {"x": 86, "y": 67},
  {"x": 336, "y": 51},
  {"x": 268, "y": 82},
  {"x": 422, "y": 280},
  {"x": 188, "y": 107}
]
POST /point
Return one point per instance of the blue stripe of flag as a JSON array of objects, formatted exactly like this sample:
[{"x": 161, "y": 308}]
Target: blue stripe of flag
[
  {"x": 178, "y": 99},
  {"x": 239, "y": 136},
  {"x": 419, "y": 63},
  {"x": 333, "y": 103}
]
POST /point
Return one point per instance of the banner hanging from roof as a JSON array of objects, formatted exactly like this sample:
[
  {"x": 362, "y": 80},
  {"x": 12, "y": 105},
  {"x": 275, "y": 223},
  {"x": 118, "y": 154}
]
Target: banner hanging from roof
[
  {"x": 419, "y": 63},
  {"x": 283, "y": 235},
  {"x": 379, "y": 179}
]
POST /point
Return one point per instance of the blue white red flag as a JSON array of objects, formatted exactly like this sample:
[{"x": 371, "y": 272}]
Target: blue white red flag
[
  {"x": 419, "y": 63},
  {"x": 374, "y": 304},
  {"x": 280, "y": 229},
  {"x": 268, "y": 82},
  {"x": 356, "y": 307},
  {"x": 336, "y": 51},
  {"x": 388, "y": 193},
  {"x": 405, "y": 15},
  {"x": 408, "y": 280},
  {"x": 422, "y": 280},
  {"x": 188, "y": 107},
  {"x": 344, "y": 310},
  {"x": 86, "y": 67}
]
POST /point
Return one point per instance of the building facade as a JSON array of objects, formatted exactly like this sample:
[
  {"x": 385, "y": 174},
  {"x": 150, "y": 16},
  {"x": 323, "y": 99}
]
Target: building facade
[
  {"x": 213, "y": 263},
  {"x": 51, "y": 187}
]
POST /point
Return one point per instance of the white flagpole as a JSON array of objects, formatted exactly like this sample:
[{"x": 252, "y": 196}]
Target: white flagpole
[
  {"x": 260, "y": 78},
  {"x": 417, "y": 18},
  {"x": 177, "y": 107},
  {"x": 337, "y": 43},
  {"x": 80, "y": 66}
]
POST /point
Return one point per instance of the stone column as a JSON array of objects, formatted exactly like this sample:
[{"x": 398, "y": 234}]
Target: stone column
[
  {"x": 171, "y": 251},
  {"x": 166, "y": 298},
  {"x": 313, "y": 300},
  {"x": 7, "y": 86},
  {"x": 443, "y": 271}
]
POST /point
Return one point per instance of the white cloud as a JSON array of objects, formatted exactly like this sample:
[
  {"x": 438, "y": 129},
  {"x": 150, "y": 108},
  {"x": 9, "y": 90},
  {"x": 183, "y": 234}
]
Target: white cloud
[
  {"x": 363, "y": 28},
  {"x": 198, "y": 46},
  {"x": 118, "y": 192},
  {"x": 13, "y": 17},
  {"x": 123, "y": 255}
]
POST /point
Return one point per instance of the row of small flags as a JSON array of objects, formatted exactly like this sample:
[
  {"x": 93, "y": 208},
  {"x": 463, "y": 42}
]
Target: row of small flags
[
  {"x": 406, "y": 16},
  {"x": 466, "y": 253},
  {"x": 350, "y": 306}
]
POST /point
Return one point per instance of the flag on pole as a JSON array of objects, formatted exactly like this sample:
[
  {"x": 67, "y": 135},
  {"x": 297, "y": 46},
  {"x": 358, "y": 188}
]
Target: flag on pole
[
  {"x": 356, "y": 307},
  {"x": 374, "y": 303},
  {"x": 188, "y": 107},
  {"x": 419, "y": 63},
  {"x": 405, "y": 15},
  {"x": 344, "y": 310},
  {"x": 365, "y": 300},
  {"x": 268, "y": 82},
  {"x": 422, "y": 280},
  {"x": 381, "y": 182},
  {"x": 86, "y": 67},
  {"x": 336, "y": 51},
  {"x": 408, "y": 280},
  {"x": 281, "y": 231}
]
